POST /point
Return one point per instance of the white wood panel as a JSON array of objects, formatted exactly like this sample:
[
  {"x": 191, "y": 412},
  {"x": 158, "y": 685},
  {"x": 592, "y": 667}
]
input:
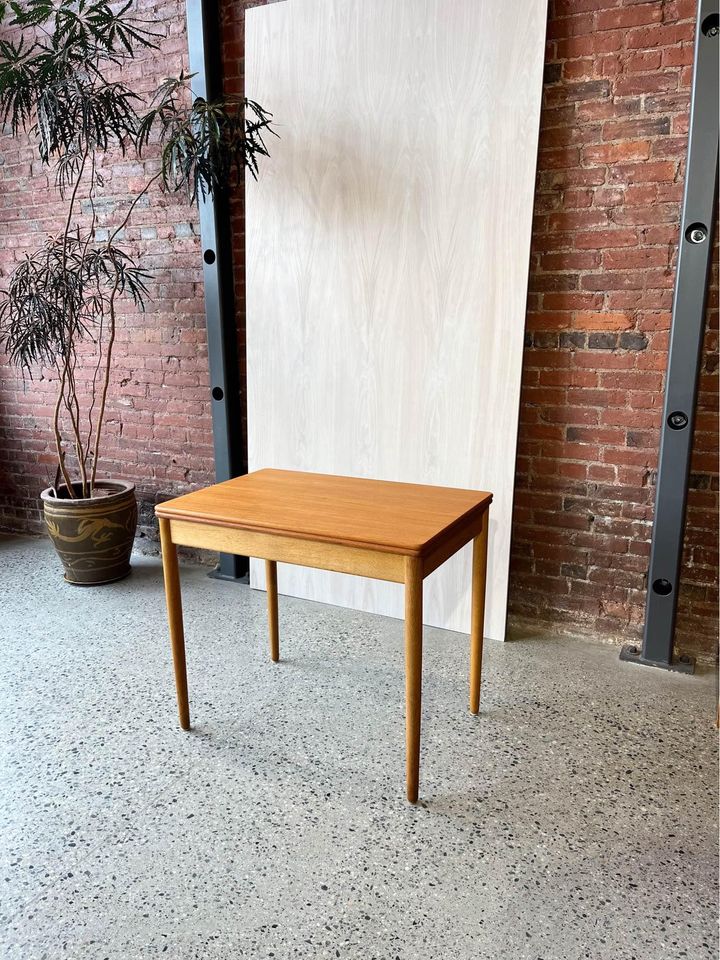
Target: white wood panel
[{"x": 387, "y": 245}]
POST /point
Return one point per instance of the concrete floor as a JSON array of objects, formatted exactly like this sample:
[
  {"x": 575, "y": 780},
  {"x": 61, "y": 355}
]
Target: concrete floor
[{"x": 575, "y": 818}]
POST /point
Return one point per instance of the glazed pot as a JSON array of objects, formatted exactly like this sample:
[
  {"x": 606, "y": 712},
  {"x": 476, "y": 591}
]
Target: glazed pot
[{"x": 93, "y": 536}]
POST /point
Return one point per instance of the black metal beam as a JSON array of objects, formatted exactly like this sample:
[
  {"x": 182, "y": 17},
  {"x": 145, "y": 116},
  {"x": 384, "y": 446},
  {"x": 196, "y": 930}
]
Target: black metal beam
[
  {"x": 203, "y": 31},
  {"x": 684, "y": 356}
]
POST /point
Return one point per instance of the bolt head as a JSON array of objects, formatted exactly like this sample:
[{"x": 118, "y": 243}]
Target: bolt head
[{"x": 677, "y": 420}]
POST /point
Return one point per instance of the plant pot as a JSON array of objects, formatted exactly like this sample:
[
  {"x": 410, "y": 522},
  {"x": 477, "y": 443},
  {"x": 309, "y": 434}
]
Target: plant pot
[{"x": 93, "y": 536}]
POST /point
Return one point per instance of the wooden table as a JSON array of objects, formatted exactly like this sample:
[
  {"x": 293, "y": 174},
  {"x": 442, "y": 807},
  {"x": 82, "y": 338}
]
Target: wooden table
[{"x": 389, "y": 531}]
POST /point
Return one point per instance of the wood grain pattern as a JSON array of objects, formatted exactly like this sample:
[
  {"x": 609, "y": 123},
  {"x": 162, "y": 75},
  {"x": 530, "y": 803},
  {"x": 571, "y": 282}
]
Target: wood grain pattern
[
  {"x": 388, "y": 243},
  {"x": 271, "y": 546},
  {"x": 272, "y": 602},
  {"x": 403, "y": 518},
  {"x": 413, "y": 674},
  {"x": 173, "y": 599},
  {"x": 477, "y": 623}
]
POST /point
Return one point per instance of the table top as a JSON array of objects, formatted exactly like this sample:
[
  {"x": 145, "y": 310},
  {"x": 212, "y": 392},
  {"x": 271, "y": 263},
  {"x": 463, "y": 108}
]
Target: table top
[{"x": 406, "y": 518}]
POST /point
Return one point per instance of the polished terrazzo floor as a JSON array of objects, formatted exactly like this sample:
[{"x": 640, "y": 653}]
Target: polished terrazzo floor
[{"x": 575, "y": 818}]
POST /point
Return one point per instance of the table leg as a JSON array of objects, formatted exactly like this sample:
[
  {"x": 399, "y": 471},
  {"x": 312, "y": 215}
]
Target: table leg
[
  {"x": 272, "y": 602},
  {"x": 413, "y": 673},
  {"x": 175, "y": 619},
  {"x": 479, "y": 575}
]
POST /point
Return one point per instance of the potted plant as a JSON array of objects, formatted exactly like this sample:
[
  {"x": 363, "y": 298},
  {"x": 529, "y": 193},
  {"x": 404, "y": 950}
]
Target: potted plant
[{"x": 61, "y": 82}]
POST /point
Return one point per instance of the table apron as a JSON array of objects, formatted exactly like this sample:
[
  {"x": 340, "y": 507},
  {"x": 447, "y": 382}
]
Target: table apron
[
  {"x": 305, "y": 553},
  {"x": 455, "y": 541}
]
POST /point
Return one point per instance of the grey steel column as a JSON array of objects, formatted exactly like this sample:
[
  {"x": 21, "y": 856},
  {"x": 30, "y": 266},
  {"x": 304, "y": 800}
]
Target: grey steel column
[
  {"x": 203, "y": 31},
  {"x": 688, "y": 323}
]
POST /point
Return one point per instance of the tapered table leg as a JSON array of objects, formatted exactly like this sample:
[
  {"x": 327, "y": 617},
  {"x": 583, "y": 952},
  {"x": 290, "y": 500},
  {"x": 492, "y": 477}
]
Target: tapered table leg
[
  {"x": 413, "y": 673},
  {"x": 175, "y": 620},
  {"x": 272, "y": 602},
  {"x": 477, "y": 625}
]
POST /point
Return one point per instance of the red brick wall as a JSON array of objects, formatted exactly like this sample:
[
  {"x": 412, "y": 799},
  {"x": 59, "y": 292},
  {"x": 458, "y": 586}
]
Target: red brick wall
[
  {"x": 610, "y": 179},
  {"x": 613, "y": 135}
]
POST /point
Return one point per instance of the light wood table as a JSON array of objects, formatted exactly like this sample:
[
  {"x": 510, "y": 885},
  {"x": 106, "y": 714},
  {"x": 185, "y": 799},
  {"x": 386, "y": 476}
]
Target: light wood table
[{"x": 389, "y": 531}]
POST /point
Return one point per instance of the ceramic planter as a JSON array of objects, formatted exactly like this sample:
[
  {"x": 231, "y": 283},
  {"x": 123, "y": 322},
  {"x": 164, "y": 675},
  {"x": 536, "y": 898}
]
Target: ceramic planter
[{"x": 93, "y": 536}]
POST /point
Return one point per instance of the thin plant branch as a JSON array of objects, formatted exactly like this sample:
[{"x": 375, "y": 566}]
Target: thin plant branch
[
  {"x": 58, "y": 436},
  {"x": 59, "y": 71},
  {"x": 106, "y": 384}
]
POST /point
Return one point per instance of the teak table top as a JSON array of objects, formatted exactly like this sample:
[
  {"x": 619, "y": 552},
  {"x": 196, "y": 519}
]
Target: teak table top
[{"x": 404, "y": 518}]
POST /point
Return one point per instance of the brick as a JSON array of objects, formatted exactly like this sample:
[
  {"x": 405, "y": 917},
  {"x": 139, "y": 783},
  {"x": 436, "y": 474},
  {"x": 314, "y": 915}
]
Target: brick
[
  {"x": 645, "y": 83},
  {"x": 594, "y": 434},
  {"x": 645, "y": 172},
  {"x": 678, "y": 56},
  {"x": 578, "y": 25},
  {"x": 641, "y": 62},
  {"x": 570, "y": 260},
  {"x": 581, "y": 90},
  {"x": 613, "y": 280},
  {"x": 560, "y": 157},
  {"x": 668, "y": 103},
  {"x": 633, "y": 340},
  {"x": 646, "y": 215},
  {"x": 629, "y": 16},
  {"x": 588, "y": 45},
  {"x": 606, "y": 239},
  {"x": 546, "y": 320},
  {"x": 552, "y": 73},
  {"x": 567, "y": 414},
  {"x": 574, "y": 220},
  {"x": 608, "y": 109},
  {"x": 632, "y": 299},
  {"x": 577, "y": 69},
  {"x": 658, "y": 35},
  {"x": 609, "y": 197},
  {"x": 670, "y": 147},
  {"x": 576, "y": 340},
  {"x": 616, "y": 152},
  {"x": 602, "y": 341},
  {"x": 567, "y": 136},
  {"x": 577, "y": 199},
  {"x": 608, "y": 359},
  {"x": 641, "y": 127},
  {"x": 634, "y": 258},
  {"x": 553, "y": 282},
  {"x": 558, "y": 117}
]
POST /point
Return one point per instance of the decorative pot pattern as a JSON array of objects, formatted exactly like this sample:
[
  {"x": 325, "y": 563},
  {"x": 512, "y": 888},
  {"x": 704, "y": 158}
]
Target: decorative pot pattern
[{"x": 93, "y": 537}]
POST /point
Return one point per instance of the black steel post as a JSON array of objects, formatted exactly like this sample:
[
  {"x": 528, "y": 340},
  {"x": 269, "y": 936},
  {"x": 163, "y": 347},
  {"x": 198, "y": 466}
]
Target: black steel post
[
  {"x": 203, "y": 31},
  {"x": 684, "y": 357}
]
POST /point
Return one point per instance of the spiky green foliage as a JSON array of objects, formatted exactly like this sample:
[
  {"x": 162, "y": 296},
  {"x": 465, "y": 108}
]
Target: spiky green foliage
[
  {"x": 61, "y": 82},
  {"x": 53, "y": 79},
  {"x": 54, "y": 82},
  {"x": 204, "y": 145},
  {"x": 62, "y": 294}
]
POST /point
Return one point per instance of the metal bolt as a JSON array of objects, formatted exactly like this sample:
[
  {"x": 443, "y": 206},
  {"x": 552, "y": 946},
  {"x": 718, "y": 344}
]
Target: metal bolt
[
  {"x": 712, "y": 32},
  {"x": 697, "y": 235},
  {"x": 662, "y": 587},
  {"x": 677, "y": 420}
]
